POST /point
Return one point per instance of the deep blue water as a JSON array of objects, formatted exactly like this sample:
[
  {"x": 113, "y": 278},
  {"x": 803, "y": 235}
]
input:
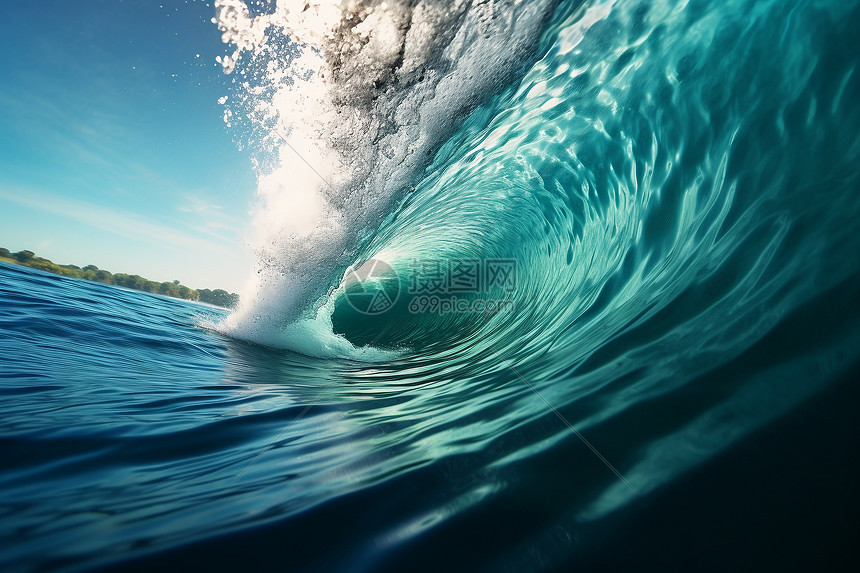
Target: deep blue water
[
  {"x": 674, "y": 386},
  {"x": 128, "y": 431}
]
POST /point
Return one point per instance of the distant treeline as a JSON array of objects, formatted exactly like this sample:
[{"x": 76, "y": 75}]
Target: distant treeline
[{"x": 216, "y": 297}]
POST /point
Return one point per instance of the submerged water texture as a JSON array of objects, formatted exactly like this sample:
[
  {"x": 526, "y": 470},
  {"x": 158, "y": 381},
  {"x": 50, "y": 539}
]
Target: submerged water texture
[{"x": 678, "y": 184}]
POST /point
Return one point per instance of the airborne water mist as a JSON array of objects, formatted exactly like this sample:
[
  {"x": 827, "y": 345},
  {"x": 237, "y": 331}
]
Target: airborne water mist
[{"x": 351, "y": 99}]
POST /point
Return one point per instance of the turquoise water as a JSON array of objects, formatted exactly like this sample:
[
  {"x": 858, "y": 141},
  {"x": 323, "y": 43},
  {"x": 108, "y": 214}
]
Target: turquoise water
[{"x": 675, "y": 186}]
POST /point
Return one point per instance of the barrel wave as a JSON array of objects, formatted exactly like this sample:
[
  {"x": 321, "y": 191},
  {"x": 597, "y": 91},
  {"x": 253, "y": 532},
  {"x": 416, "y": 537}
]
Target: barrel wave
[
  {"x": 672, "y": 180},
  {"x": 654, "y": 156},
  {"x": 536, "y": 280}
]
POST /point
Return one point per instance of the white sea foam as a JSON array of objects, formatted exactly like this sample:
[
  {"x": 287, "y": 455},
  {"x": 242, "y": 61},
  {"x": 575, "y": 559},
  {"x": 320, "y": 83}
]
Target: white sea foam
[{"x": 352, "y": 98}]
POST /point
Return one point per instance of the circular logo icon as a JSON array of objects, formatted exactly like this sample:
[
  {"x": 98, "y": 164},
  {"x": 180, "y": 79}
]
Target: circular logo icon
[{"x": 372, "y": 288}]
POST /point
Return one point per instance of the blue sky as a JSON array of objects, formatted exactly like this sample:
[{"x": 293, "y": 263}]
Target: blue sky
[{"x": 112, "y": 147}]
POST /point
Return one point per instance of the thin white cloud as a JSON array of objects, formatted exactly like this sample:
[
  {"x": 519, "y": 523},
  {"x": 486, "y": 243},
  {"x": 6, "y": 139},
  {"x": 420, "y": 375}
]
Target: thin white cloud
[
  {"x": 208, "y": 218},
  {"x": 200, "y": 206},
  {"x": 122, "y": 223}
]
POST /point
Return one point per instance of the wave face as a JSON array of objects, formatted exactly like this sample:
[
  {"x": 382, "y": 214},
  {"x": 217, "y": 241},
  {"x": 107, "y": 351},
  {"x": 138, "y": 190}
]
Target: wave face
[{"x": 690, "y": 160}]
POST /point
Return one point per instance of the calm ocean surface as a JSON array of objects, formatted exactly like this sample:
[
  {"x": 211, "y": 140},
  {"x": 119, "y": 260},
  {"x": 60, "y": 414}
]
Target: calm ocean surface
[{"x": 674, "y": 387}]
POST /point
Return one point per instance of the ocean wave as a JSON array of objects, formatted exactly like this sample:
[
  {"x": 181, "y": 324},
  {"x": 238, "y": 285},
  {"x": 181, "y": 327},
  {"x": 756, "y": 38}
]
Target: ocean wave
[
  {"x": 351, "y": 100},
  {"x": 609, "y": 169}
]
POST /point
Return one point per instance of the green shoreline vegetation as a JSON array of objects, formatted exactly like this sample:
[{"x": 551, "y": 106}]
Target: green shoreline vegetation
[{"x": 217, "y": 297}]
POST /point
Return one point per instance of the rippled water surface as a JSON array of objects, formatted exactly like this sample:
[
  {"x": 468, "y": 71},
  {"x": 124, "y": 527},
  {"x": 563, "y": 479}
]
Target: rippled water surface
[{"x": 676, "y": 184}]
